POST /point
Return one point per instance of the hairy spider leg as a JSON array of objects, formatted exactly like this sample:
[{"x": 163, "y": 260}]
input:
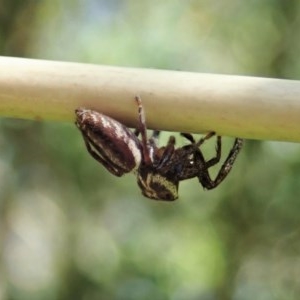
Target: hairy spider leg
[
  {"x": 142, "y": 128},
  {"x": 227, "y": 165},
  {"x": 168, "y": 152},
  {"x": 203, "y": 165},
  {"x": 204, "y": 176},
  {"x": 203, "y": 139},
  {"x": 154, "y": 139},
  {"x": 190, "y": 159},
  {"x": 190, "y": 137},
  {"x": 213, "y": 161},
  {"x": 154, "y": 136}
]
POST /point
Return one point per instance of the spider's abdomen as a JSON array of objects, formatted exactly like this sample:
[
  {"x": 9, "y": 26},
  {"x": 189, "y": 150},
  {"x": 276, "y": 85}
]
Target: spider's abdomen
[{"x": 113, "y": 144}]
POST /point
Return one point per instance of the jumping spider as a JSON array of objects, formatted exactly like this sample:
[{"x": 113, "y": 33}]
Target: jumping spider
[{"x": 159, "y": 169}]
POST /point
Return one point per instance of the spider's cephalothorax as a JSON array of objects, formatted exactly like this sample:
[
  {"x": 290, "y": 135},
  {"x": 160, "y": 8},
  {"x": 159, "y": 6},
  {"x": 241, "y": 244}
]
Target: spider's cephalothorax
[{"x": 159, "y": 169}]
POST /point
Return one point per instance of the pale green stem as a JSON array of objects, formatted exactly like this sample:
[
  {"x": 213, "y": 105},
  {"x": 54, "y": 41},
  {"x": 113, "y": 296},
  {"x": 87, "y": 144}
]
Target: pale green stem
[{"x": 247, "y": 107}]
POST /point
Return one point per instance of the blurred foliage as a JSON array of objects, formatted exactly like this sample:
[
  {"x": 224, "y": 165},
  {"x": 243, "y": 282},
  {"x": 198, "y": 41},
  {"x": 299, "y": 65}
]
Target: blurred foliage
[{"x": 70, "y": 230}]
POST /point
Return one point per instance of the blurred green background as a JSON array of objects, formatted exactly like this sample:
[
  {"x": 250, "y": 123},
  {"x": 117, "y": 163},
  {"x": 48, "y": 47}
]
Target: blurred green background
[{"x": 71, "y": 230}]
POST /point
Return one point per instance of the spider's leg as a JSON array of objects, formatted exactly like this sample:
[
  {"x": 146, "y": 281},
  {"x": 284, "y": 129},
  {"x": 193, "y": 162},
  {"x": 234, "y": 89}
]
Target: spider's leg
[
  {"x": 167, "y": 152},
  {"x": 193, "y": 163},
  {"x": 203, "y": 139},
  {"x": 204, "y": 177},
  {"x": 155, "y": 134},
  {"x": 154, "y": 138},
  {"x": 142, "y": 128},
  {"x": 213, "y": 161},
  {"x": 188, "y": 136},
  {"x": 227, "y": 165}
]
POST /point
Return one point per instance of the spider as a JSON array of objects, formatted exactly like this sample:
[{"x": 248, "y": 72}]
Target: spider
[{"x": 159, "y": 169}]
